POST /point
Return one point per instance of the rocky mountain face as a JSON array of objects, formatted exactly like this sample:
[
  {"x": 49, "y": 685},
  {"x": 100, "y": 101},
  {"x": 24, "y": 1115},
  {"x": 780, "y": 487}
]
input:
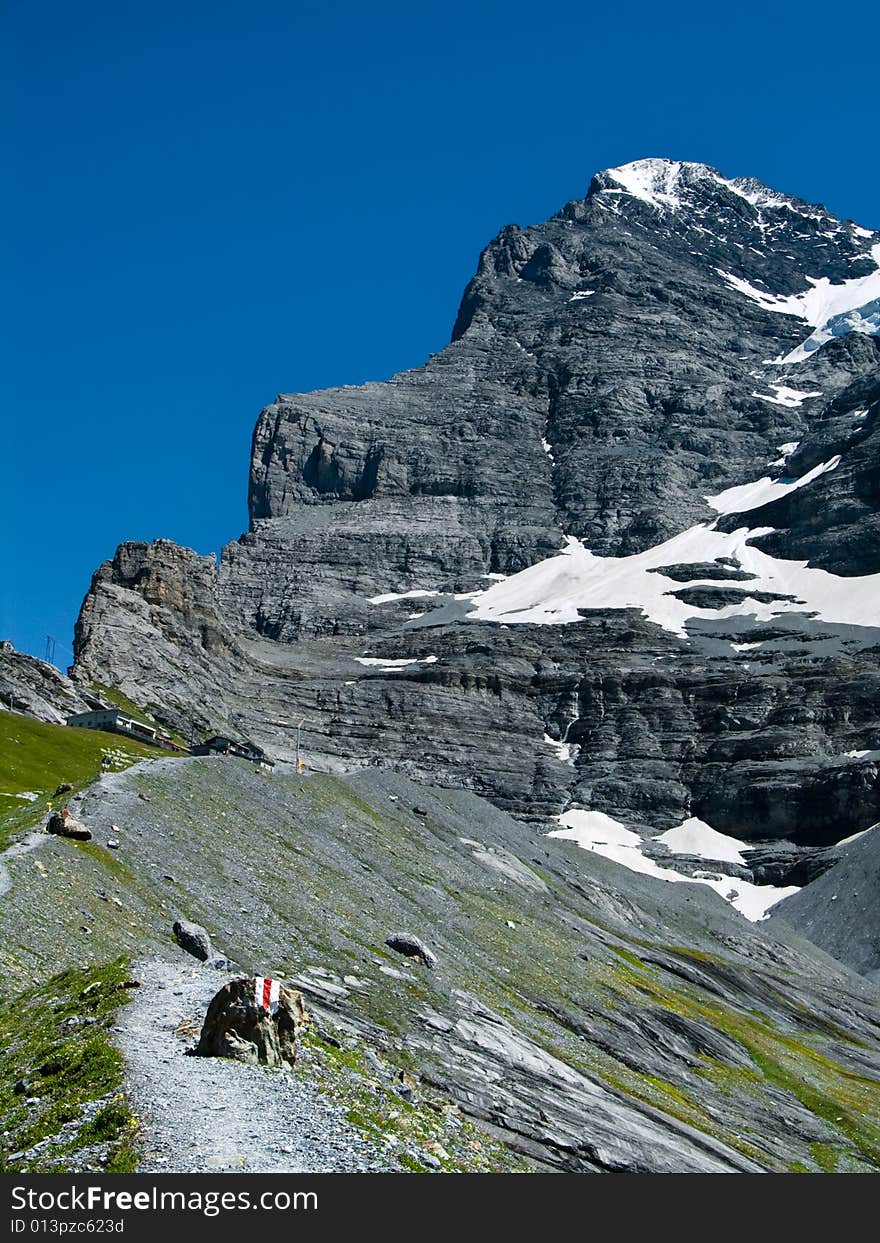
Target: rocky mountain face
[
  {"x": 614, "y": 549},
  {"x": 38, "y": 689}
]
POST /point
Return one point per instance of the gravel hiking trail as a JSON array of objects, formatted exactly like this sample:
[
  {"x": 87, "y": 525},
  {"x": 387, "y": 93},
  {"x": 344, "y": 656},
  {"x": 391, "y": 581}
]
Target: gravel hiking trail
[{"x": 202, "y": 1114}]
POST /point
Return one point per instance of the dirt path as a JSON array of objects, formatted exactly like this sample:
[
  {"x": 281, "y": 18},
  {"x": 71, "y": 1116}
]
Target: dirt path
[{"x": 204, "y": 1114}]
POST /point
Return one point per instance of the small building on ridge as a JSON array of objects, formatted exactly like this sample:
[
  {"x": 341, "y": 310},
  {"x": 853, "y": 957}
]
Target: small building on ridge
[
  {"x": 115, "y": 721},
  {"x": 222, "y": 745}
]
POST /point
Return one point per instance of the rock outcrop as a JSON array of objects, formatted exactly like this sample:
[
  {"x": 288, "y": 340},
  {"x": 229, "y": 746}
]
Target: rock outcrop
[
  {"x": 240, "y": 1027},
  {"x": 193, "y": 938},
  {"x": 411, "y": 947},
  {"x": 39, "y": 689}
]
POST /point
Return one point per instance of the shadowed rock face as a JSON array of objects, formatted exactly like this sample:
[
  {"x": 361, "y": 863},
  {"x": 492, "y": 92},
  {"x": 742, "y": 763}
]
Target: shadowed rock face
[
  {"x": 608, "y": 371},
  {"x": 839, "y": 911}
]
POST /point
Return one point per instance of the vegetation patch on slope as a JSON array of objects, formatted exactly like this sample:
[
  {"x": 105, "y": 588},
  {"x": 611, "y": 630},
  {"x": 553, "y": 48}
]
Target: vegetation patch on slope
[
  {"x": 62, "y": 1107},
  {"x": 36, "y": 757}
]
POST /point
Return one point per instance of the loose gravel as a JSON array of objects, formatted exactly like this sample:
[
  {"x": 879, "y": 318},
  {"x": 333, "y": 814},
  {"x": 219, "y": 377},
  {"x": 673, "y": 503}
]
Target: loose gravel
[{"x": 202, "y": 1114}]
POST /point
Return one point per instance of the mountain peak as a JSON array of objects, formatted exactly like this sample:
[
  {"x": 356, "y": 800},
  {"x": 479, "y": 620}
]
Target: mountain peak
[
  {"x": 668, "y": 184},
  {"x": 656, "y": 180}
]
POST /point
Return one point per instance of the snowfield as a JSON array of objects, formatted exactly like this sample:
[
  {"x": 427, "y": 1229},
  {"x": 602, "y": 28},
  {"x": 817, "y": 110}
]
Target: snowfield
[
  {"x": 603, "y": 835},
  {"x": 695, "y": 837},
  {"x": 832, "y": 310},
  {"x": 552, "y": 592},
  {"x": 382, "y": 662},
  {"x": 751, "y": 495}
]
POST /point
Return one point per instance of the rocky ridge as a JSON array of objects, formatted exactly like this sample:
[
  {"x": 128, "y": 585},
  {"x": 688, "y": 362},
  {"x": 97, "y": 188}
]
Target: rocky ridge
[{"x": 38, "y": 689}]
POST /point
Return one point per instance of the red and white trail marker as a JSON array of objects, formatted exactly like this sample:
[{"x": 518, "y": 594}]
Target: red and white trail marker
[{"x": 266, "y": 993}]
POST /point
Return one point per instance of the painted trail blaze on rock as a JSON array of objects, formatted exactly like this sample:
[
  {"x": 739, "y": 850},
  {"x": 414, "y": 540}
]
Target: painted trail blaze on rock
[
  {"x": 266, "y": 993},
  {"x": 254, "y": 1020}
]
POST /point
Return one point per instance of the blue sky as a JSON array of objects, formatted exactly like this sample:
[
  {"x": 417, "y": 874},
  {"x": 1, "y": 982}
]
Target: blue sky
[{"x": 214, "y": 203}]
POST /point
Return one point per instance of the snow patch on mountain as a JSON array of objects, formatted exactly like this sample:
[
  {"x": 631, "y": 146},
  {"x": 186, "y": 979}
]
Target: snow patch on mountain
[
  {"x": 786, "y": 451},
  {"x": 654, "y": 181},
  {"x": 381, "y": 662},
  {"x": 784, "y": 396},
  {"x": 389, "y": 596},
  {"x": 831, "y": 309},
  {"x": 552, "y": 592},
  {"x": 695, "y": 837},
  {"x": 865, "y": 319},
  {"x": 564, "y": 750},
  {"x": 747, "y": 496},
  {"x": 603, "y": 835}
]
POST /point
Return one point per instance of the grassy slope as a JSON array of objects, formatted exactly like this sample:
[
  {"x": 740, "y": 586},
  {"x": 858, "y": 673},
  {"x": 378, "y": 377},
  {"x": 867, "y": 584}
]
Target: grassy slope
[
  {"x": 54, "y": 1036},
  {"x": 60, "y": 1076},
  {"x": 201, "y": 838},
  {"x": 36, "y": 757}
]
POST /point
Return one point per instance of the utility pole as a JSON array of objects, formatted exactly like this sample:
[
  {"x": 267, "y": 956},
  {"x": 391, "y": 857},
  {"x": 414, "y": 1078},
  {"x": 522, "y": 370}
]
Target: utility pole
[
  {"x": 285, "y": 724},
  {"x": 50, "y": 649}
]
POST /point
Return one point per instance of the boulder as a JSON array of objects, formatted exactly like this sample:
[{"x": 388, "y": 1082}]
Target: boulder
[
  {"x": 193, "y": 938},
  {"x": 411, "y": 947},
  {"x": 64, "y": 824},
  {"x": 253, "y": 1020}
]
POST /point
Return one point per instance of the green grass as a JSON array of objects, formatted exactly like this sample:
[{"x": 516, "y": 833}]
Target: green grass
[
  {"x": 848, "y": 1103},
  {"x": 54, "y": 1040},
  {"x": 36, "y": 757},
  {"x": 825, "y": 1156}
]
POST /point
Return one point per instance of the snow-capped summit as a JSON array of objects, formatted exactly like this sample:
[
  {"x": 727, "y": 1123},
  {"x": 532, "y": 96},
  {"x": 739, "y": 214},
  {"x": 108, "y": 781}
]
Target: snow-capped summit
[
  {"x": 805, "y": 263},
  {"x": 671, "y": 184},
  {"x": 659, "y": 181}
]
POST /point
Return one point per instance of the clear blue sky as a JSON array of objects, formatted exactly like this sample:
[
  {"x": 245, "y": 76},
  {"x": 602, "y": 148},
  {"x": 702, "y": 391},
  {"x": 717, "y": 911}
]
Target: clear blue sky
[{"x": 212, "y": 203}]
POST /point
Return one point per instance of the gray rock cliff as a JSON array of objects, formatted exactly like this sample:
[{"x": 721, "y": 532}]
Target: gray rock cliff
[{"x": 652, "y": 345}]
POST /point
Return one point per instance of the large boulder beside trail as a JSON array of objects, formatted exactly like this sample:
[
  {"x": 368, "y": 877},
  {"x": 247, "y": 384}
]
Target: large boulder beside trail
[
  {"x": 64, "y": 824},
  {"x": 193, "y": 938},
  {"x": 253, "y": 1020}
]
